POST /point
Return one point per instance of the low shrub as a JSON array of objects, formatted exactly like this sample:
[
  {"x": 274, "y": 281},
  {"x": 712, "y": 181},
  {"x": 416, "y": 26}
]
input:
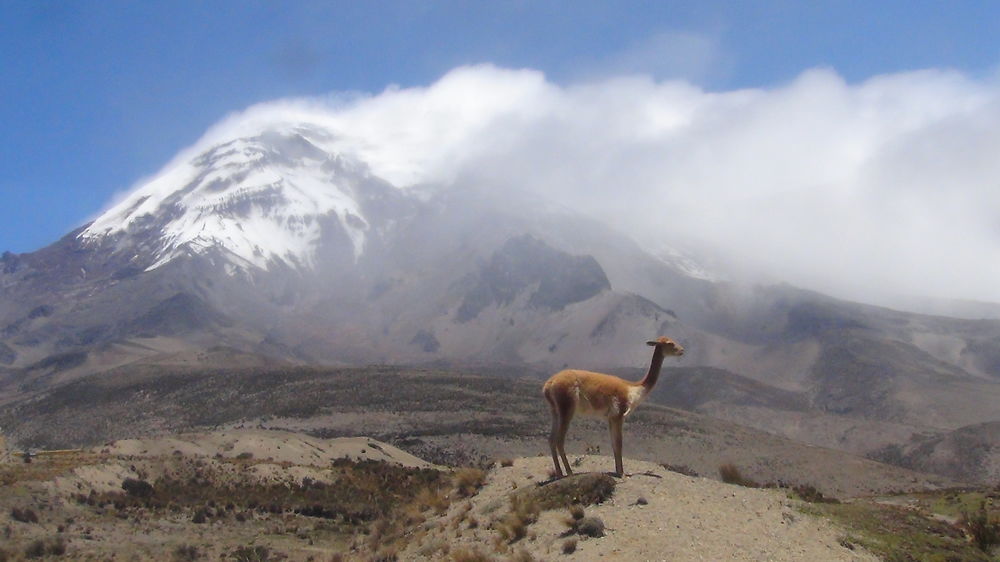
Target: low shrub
[
  {"x": 186, "y": 553},
  {"x": 809, "y": 493},
  {"x": 584, "y": 489},
  {"x": 591, "y": 527},
  {"x": 137, "y": 488},
  {"x": 200, "y": 516},
  {"x": 984, "y": 530},
  {"x": 41, "y": 548},
  {"x": 252, "y": 554},
  {"x": 730, "y": 474},
  {"x": 26, "y": 515}
]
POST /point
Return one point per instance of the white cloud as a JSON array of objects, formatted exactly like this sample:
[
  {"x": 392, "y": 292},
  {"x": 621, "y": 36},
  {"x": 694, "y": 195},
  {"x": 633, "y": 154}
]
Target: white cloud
[{"x": 861, "y": 190}]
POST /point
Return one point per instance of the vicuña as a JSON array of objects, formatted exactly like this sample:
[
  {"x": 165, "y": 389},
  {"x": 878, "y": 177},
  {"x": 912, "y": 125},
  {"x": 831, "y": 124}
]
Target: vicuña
[{"x": 572, "y": 391}]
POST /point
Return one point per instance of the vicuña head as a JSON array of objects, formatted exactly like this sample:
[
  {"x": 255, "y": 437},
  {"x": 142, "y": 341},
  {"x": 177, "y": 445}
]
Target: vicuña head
[{"x": 573, "y": 392}]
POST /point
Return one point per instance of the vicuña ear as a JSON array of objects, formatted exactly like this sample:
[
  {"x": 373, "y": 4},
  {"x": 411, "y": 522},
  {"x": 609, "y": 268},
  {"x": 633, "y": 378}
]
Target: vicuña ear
[{"x": 652, "y": 343}]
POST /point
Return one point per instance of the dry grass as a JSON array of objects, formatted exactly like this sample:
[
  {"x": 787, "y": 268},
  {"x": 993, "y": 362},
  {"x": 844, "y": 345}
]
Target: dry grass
[
  {"x": 468, "y": 481},
  {"x": 45, "y": 467},
  {"x": 523, "y": 512},
  {"x": 433, "y": 499}
]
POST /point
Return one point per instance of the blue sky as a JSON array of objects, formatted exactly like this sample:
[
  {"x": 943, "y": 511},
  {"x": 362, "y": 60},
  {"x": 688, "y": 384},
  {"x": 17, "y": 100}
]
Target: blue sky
[{"x": 96, "y": 95}]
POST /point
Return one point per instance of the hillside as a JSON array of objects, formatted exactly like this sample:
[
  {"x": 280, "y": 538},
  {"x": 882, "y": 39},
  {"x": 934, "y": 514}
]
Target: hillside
[
  {"x": 267, "y": 495},
  {"x": 447, "y": 416}
]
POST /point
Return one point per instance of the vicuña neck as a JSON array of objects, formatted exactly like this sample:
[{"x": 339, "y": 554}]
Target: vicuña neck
[{"x": 653, "y": 373}]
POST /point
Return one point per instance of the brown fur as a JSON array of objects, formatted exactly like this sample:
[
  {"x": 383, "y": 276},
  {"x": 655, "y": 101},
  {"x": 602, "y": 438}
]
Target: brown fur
[{"x": 573, "y": 391}]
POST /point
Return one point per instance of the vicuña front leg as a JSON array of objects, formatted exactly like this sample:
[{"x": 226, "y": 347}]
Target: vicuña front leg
[
  {"x": 564, "y": 419},
  {"x": 615, "y": 425}
]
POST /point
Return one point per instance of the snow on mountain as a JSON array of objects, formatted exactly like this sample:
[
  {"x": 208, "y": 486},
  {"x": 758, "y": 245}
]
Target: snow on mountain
[
  {"x": 260, "y": 198},
  {"x": 685, "y": 263}
]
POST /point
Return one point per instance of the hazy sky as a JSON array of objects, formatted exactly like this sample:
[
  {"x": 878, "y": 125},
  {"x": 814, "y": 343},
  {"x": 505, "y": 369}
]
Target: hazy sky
[{"x": 793, "y": 129}]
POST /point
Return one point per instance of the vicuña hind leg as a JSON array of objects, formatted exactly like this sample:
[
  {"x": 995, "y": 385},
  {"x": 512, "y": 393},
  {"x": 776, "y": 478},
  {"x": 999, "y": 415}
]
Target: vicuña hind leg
[
  {"x": 564, "y": 409},
  {"x": 561, "y": 442},
  {"x": 554, "y": 436}
]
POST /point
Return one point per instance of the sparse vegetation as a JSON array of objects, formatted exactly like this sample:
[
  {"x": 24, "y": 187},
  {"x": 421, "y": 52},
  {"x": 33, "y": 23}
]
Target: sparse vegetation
[
  {"x": 523, "y": 512},
  {"x": 982, "y": 528},
  {"x": 186, "y": 553},
  {"x": 569, "y": 546},
  {"x": 40, "y": 548}
]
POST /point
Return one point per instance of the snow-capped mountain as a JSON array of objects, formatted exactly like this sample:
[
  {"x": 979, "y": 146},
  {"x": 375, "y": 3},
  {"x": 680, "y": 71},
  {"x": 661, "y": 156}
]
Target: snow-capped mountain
[
  {"x": 261, "y": 200},
  {"x": 283, "y": 240}
]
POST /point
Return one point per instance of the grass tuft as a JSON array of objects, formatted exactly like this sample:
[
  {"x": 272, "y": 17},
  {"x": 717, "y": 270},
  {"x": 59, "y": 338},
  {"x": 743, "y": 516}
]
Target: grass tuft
[
  {"x": 468, "y": 481},
  {"x": 523, "y": 512}
]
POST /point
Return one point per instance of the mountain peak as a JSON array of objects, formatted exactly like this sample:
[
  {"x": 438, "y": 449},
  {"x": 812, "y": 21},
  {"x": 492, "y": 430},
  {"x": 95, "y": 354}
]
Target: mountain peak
[{"x": 261, "y": 199}]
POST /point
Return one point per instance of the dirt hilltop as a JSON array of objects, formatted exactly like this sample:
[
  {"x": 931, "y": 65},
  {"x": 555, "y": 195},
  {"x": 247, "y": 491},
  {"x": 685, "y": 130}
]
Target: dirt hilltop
[{"x": 654, "y": 514}]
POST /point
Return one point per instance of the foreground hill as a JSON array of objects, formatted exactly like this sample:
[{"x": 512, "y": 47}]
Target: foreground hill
[
  {"x": 270, "y": 495},
  {"x": 654, "y": 514}
]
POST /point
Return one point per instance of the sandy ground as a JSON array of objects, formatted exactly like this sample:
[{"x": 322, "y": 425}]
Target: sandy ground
[
  {"x": 271, "y": 445},
  {"x": 683, "y": 518},
  {"x": 283, "y": 457}
]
